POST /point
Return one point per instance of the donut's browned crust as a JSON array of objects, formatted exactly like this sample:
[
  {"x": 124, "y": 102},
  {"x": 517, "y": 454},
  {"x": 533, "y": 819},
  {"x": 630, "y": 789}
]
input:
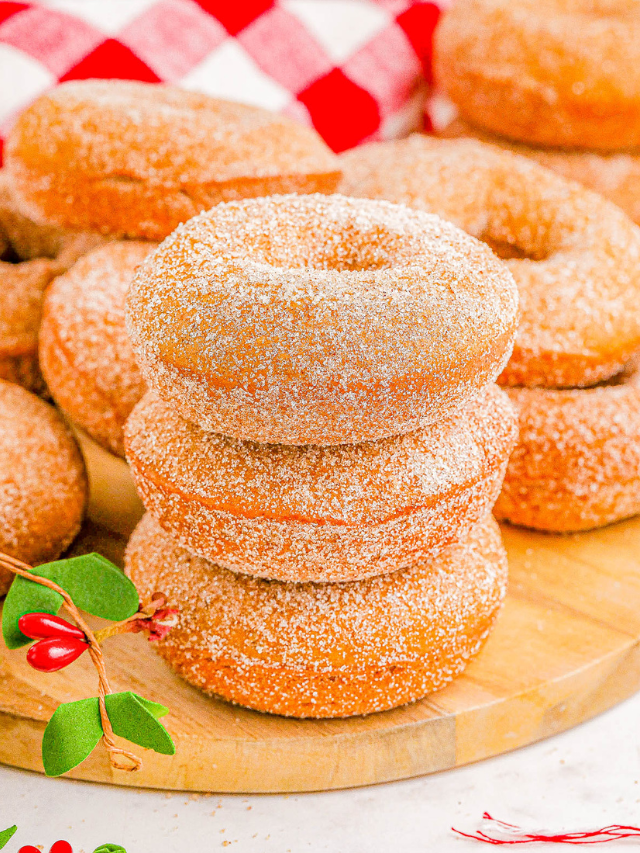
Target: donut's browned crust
[
  {"x": 135, "y": 159},
  {"x": 43, "y": 484},
  {"x": 577, "y": 462},
  {"x": 85, "y": 354},
  {"x": 30, "y": 256},
  {"x": 320, "y": 513},
  {"x": 613, "y": 174},
  {"x": 564, "y": 73},
  {"x": 575, "y": 256},
  {"x": 324, "y": 650},
  {"x": 319, "y": 319}
]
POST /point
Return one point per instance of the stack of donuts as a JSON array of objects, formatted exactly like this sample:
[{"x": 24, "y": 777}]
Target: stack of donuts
[
  {"x": 320, "y": 449},
  {"x": 308, "y": 388},
  {"x": 572, "y": 376},
  {"x": 555, "y": 80}
]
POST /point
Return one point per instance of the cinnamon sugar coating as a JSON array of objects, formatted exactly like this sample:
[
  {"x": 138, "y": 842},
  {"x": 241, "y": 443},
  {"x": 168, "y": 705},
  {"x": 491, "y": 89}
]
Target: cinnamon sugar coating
[
  {"x": 577, "y": 462},
  {"x": 575, "y": 256},
  {"x": 320, "y": 513},
  {"x": 135, "y": 159},
  {"x": 85, "y": 353},
  {"x": 30, "y": 256},
  {"x": 564, "y": 73},
  {"x": 613, "y": 174},
  {"x": 324, "y": 650},
  {"x": 43, "y": 484},
  {"x": 319, "y": 319}
]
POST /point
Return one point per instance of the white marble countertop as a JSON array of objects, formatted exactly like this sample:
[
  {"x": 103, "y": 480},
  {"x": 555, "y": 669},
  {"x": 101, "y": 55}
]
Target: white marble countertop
[{"x": 584, "y": 778}]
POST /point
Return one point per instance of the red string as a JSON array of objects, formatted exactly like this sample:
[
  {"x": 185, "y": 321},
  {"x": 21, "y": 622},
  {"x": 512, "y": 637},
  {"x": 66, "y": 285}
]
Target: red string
[{"x": 614, "y": 832}]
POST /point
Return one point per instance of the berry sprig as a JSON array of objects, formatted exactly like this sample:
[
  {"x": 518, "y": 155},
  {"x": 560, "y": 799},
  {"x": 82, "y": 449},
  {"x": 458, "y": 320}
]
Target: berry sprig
[
  {"x": 56, "y": 847},
  {"x": 98, "y": 587},
  {"x": 60, "y": 846}
]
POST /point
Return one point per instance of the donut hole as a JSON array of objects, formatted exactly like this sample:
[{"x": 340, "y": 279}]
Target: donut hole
[
  {"x": 503, "y": 249},
  {"x": 354, "y": 252},
  {"x": 352, "y": 257},
  {"x": 8, "y": 254},
  {"x": 509, "y": 245},
  {"x": 21, "y": 240}
]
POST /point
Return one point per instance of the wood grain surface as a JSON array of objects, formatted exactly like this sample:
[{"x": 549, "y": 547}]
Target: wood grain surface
[{"x": 566, "y": 647}]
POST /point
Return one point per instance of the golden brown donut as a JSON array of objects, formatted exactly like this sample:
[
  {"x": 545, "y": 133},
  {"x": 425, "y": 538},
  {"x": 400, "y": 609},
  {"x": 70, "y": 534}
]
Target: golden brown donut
[
  {"x": 85, "y": 354},
  {"x": 135, "y": 159},
  {"x": 577, "y": 462},
  {"x": 324, "y": 650},
  {"x": 43, "y": 484},
  {"x": 564, "y": 73},
  {"x": 319, "y": 319},
  {"x": 30, "y": 256},
  {"x": 613, "y": 174},
  {"x": 575, "y": 256},
  {"x": 320, "y": 513}
]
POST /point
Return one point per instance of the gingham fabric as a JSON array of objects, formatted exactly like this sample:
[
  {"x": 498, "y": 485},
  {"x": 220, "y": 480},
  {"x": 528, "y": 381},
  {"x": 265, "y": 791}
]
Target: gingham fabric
[{"x": 355, "y": 69}]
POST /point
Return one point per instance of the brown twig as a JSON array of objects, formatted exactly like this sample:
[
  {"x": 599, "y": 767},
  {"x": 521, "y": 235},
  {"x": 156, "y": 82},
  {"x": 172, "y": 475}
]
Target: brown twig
[
  {"x": 145, "y": 613},
  {"x": 116, "y": 754}
]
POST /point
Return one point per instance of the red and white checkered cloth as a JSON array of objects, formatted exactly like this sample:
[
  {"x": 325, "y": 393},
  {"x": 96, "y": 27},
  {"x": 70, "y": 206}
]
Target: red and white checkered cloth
[{"x": 355, "y": 69}]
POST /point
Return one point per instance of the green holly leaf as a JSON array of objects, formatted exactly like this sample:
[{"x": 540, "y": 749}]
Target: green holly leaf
[
  {"x": 136, "y": 721},
  {"x": 95, "y": 584},
  {"x": 71, "y": 735},
  {"x": 153, "y": 707},
  {"x": 7, "y": 834},
  {"x": 110, "y": 848}
]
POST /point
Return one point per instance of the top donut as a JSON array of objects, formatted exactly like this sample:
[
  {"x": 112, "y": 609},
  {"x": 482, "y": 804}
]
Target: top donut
[
  {"x": 137, "y": 159},
  {"x": 564, "y": 73},
  {"x": 319, "y": 319}
]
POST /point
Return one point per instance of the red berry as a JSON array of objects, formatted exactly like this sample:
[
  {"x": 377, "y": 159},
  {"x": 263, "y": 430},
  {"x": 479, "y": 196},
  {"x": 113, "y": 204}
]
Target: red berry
[
  {"x": 29, "y": 849},
  {"x": 61, "y": 847},
  {"x": 41, "y": 626},
  {"x": 55, "y": 653}
]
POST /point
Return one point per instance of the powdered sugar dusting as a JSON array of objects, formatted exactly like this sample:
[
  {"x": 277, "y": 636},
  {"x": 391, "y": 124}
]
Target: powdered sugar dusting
[{"x": 319, "y": 319}]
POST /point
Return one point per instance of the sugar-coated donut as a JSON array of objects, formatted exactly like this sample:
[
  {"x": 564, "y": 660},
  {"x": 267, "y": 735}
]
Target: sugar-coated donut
[
  {"x": 577, "y": 462},
  {"x": 323, "y": 650},
  {"x": 135, "y": 159},
  {"x": 319, "y": 319},
  {"x": 564, "y": 73},
  {"x": 320, "y": 513},
  {"x": 575, "y": 256},
  {"x": 30, "y": 256},
  {"x": 85, "y": 354},
  {"x": 43, "y": 484},
  {"x": 613, "y": 174}
]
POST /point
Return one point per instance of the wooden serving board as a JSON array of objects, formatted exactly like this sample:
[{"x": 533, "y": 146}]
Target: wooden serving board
[{"x": 566, "y": 647}]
